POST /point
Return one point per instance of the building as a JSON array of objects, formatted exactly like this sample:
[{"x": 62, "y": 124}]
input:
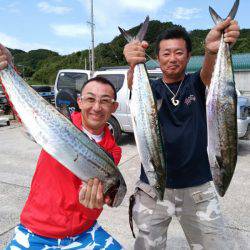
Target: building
[{"x": 241, "y": 64}]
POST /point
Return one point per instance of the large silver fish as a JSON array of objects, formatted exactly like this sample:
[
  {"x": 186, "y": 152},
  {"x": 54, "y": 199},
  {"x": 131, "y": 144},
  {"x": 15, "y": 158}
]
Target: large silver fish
[
  {"x": 145, "y": 123},
  {"x": 61, "y": 139},
  {"x": 221, "y": 107}
]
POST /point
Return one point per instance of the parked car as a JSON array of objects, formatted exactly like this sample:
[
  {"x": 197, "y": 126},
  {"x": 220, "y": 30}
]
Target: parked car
[
  {"x": 46, "y": 91},
  {"x": 120, "y": 121},
  {"x": 4, "y": 104},
  {"x": 242, "y": 115},
  {"x": 4, "y": 121}
]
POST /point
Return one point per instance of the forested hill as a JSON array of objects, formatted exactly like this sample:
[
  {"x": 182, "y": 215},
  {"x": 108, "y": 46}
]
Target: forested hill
[{"x": 41, "y": 66}]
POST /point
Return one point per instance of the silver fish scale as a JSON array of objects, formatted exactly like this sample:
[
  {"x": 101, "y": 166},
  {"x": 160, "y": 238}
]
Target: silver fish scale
[
  {"x": 221, "y": 120},
  {"x": 59, "y": 137},
  {"x": 146, "y": 130},
  {"x": 47, "y": 113}
]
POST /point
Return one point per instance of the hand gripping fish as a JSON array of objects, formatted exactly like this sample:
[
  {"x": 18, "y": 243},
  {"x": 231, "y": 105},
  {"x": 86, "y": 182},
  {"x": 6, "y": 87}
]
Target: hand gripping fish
[
  {"x": 221, "y": 108},
  {"x": 61, "y": 139},
  {"x": 145, "y": 122}
]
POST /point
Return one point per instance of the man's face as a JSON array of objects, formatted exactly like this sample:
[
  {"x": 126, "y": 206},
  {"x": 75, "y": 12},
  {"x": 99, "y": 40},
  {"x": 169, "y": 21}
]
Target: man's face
[
  {"x": 96, "y": 106},
  {"x": 173, "y": 58}
]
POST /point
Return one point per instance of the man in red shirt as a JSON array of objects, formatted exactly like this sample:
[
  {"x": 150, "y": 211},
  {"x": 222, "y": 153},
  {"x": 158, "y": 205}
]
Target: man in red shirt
[{"x": 61, "y": 211}]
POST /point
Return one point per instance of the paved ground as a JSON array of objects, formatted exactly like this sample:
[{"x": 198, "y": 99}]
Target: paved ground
[{"x": 17, "y": 160}]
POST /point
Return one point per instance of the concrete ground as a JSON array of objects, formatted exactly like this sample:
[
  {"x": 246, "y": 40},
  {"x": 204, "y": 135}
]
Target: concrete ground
[{"x": 17, "y": 162}]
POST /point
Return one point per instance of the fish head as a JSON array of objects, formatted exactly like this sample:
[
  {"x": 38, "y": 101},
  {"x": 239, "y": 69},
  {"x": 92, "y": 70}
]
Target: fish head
[{"x": 116, "y": 193}]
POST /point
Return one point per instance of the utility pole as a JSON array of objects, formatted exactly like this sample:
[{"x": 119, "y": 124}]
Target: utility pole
[
  {"x": 92, "y": 38},
  {"x": 90, "y": 64}
]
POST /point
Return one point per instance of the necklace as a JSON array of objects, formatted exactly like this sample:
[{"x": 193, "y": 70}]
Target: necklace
[{"x": 174, "y": 101}]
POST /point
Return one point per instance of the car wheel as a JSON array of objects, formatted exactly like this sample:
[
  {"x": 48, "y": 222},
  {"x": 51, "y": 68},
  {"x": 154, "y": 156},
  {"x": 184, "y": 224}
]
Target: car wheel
[
  {"x": 115, "y": 128},
  {"x": 8, "y": 123}
]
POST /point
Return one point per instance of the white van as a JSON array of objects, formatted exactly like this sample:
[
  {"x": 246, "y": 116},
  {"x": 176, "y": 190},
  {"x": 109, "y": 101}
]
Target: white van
[{"x": 121, "y": 120}]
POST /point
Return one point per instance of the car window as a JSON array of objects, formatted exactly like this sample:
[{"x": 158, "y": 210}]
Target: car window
[
  {"x": 116, "y": 79},
  {"x": 71, "y": 80}
]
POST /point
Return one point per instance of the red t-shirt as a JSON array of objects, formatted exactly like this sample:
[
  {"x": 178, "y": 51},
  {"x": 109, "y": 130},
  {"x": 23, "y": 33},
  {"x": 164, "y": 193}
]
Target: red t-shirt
[{"x": 53, "y": 209}]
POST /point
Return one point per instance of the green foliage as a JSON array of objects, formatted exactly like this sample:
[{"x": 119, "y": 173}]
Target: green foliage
[{"x": 41, "y": 66}]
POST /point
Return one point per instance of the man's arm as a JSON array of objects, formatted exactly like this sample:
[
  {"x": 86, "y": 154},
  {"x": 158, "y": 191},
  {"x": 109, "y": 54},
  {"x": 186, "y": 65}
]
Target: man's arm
[{"x": 212, "y": 42}]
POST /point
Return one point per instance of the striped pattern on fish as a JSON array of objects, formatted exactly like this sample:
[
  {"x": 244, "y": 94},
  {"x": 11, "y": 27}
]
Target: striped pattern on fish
[
  {"x": 146, "y": 124},
  {"x": 221, "y": 108},
  {"x": 60, "y": 138},
  {"x": 147, "y": 130}
]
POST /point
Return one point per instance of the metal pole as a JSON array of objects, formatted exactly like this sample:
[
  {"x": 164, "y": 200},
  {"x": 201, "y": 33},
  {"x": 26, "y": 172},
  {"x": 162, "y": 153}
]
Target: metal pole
[
  {"x": 90, "y": 64},
  {"x": 92, "y": 36}
]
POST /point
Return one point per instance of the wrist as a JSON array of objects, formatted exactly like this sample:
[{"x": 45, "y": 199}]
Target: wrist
[{"x": 210, "y": 52}]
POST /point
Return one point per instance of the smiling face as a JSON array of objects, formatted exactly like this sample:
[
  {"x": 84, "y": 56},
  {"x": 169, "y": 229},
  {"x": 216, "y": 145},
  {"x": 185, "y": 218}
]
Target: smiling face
[
  {"x": 173, "y": 58},
  {"x": 94, "y": 105}
]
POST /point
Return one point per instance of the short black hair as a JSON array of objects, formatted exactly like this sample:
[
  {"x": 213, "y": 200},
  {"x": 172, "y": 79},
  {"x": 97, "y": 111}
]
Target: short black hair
[
  {"x": 174, "y": 32},
  {"x": 102, "y": 80}
]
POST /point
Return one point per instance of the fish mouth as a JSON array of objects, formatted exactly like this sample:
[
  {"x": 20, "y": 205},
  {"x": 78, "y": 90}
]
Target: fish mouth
[
  {"x": 112, "y": 194},
  {"x": 116, "y": 193}
]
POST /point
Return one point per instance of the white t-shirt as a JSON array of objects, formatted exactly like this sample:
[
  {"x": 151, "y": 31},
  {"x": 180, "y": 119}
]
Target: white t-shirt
[{"x": 96, "y": 138}]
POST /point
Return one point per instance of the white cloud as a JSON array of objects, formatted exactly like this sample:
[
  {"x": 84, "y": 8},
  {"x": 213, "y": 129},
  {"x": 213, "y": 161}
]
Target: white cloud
[
  {"x": 185, "y": 13},
  {"x": 142, "y": 5},
  {"x": 15, "y": 43},
  {"x": 11, "y": 7},
  {"x": 70, "y": 30},
  {"x": 47, "y": 8}
]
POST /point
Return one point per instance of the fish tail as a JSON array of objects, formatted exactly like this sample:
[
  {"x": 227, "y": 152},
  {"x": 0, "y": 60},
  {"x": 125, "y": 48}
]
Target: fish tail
[
  {"x": 217, "y": 19},
  {"x": 140, "y": 35}
]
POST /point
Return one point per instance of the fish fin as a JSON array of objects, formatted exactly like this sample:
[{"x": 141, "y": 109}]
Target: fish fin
[
  {"x": 219, "y": 161},
  {"x": 126, "y": 35},
  {"x": 157, "y": 187},
  {"x": 135, "y": 121},
  {"x": 234, "y": 9},
  {"x": 217, "y": 19},
  {"x": 143, "y": 30},
  {"x": 27, "y": 134},
  {"x": 141, "y": 33},
  {"x": 159, "y": 104},
  {"x": 130, "y": 95},
  {"x": 130, "y": 212}
]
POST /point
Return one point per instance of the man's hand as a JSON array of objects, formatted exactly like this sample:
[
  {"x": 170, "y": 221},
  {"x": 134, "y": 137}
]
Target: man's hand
[
  {"x": 91, "y": 194},
  {"x": 134, "y": 53},
  {"x": 231, "y": 33},
  {"x": 5, "y": 57}
]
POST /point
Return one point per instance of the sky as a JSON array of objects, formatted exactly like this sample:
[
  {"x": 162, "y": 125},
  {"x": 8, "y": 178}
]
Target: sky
[{"x": 62, "y": 25}]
